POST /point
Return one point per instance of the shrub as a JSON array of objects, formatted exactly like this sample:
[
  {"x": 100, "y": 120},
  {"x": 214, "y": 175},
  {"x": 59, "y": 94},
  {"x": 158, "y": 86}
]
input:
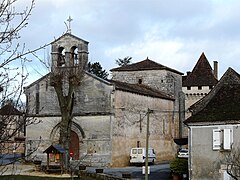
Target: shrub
[{"x": 179, "y": 166}]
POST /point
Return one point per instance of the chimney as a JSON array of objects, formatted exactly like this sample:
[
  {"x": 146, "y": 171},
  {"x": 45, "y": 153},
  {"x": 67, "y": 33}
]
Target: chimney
[{"x": 215, "y": 69}]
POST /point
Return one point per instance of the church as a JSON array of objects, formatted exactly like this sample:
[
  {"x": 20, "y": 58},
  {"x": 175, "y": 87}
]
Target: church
[{"x": 109, "y": 116}]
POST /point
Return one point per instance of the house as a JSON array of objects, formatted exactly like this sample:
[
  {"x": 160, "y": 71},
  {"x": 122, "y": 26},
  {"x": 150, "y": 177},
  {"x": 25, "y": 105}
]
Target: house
[
  {"x": 109, "y": 116},
  {"x": 12, "y": 130},
  {"x": 214, "y": 129}
]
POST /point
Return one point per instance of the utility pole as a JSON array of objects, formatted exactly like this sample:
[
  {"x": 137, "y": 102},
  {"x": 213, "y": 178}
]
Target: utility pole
[{"x": 147, "y": 138}]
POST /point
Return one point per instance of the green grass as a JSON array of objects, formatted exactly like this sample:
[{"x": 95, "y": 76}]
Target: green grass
[{"x": 21, "y": 177}]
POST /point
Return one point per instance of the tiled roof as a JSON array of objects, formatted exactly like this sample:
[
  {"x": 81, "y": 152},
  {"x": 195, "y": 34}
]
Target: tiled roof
[
  {"x": 202, "y": 74},
  {"x": 56, "y": 147},
  {"x": 141, "y": 89},
  {"x": 9, "y": 110},
  {"x": 146, "y": 64},
  {"x": 221, "y": 104}
]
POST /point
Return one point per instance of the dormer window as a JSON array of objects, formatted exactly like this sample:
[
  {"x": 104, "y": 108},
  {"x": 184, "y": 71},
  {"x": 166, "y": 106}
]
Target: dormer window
[
  {"x": 210, "y": 87},
  {"x": 199, "y": 87},
  {"x": 188, "y": 87}
]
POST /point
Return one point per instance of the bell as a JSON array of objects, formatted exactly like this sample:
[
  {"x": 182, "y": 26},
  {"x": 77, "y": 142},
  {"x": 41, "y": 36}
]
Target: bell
[{"x": 61, "y": 60}]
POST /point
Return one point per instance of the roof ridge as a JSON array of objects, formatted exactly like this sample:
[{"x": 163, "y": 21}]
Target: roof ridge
[
  {"x": 146, "y": 64},
  {"x": 71, "y": 35}
]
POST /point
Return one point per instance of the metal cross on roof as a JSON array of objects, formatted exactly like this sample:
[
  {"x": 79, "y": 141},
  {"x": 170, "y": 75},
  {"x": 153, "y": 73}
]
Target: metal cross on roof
[{"x": 69, "y": 24}]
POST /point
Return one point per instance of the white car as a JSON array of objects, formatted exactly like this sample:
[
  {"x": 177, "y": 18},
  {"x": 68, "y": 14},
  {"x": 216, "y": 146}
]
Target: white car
[
  {"x": 138, "y": 155},
  {"x": 183, "y": 153}
]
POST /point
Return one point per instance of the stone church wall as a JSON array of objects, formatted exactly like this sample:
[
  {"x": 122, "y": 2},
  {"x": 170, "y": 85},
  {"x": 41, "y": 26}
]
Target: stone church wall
[
  {"x": 94, "y": 140},
  {"x": 129, "y": 126},
  {"x": 92, "y": 96},
  {"x": 92, "y": 113},
  {"x": 96, "y": 147},
  {"x": 41, "y": 98}
]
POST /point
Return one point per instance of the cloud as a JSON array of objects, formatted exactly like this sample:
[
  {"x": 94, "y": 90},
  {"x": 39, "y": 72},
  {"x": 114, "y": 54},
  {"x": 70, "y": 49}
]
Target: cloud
[{"x": 173, "y": 33}]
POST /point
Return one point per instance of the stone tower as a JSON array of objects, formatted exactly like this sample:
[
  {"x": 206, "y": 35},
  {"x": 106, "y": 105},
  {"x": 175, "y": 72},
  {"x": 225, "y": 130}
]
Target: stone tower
[
  {"x": 198, "y": 83},
  {"x": 69, "y": 56}
]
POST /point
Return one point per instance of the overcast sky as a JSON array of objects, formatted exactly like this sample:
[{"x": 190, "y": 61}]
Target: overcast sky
[{"x": 171, "y": 32}]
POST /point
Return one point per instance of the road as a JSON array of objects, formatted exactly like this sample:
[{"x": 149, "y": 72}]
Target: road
[{"x": 157, "y": 172}]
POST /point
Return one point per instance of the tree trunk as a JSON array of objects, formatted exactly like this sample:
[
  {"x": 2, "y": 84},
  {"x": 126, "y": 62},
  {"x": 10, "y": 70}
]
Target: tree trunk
[
  {"x": 66, "y": 108},
  {"x": 65, "y": 131}
]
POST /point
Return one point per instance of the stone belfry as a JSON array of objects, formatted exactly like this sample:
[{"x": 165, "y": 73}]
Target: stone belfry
[
  {"x": 69, "y": 56},
  {"x": 69, "y": 59}
]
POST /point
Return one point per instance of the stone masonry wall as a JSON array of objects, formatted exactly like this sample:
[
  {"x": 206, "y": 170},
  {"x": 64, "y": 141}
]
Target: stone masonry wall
[
  {"x": 129, "y": 126},
  {"x": 95, "y": 145},
  {"x": 163, "y": 80},
  {"x": 92, "y": 96}
]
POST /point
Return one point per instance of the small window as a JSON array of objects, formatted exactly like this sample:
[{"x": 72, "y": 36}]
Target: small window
[
  {"x": 139, "y": 81},
  {"x": 188, "y": 87},
  {"x": 138, "y": 143},
  {"x": 199, "y": 87},
  {"x": 94, "y": 136},
  {"x": 37, "y": 103},
  {"x": 210, "y": 87},
  {"x": 222, "y": 139},
  {"x": 134, "y": 151},
  {"x": 139, "y": 151}
]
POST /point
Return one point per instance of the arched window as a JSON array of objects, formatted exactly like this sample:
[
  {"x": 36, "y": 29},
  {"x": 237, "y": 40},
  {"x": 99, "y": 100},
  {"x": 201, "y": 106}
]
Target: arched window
[
  {"x": 61, "y": 57},
  {"x": 74, "y": 56}
]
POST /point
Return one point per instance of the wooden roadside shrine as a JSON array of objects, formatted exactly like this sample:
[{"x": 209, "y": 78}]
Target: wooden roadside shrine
[{"x": 55, "y": 158}]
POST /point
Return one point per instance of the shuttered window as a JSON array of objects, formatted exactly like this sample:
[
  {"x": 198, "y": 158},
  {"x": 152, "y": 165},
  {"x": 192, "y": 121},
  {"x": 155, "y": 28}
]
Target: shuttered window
[
  {"x": 222, "y": 139},
  {"x": 216, "y": 139},
  {"x": 227, "y": 139}
]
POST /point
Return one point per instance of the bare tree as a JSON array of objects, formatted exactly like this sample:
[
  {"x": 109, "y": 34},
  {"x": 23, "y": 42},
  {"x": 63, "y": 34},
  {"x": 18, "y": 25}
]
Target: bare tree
[
  {"x": 13, "y": 76},
  {"x": 233, "y": 163},
  {"x": 65, "y": 81}
]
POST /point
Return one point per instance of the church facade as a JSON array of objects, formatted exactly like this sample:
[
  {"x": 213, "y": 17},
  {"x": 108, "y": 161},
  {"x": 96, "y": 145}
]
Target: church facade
[{"x": 109, "y": 116}]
